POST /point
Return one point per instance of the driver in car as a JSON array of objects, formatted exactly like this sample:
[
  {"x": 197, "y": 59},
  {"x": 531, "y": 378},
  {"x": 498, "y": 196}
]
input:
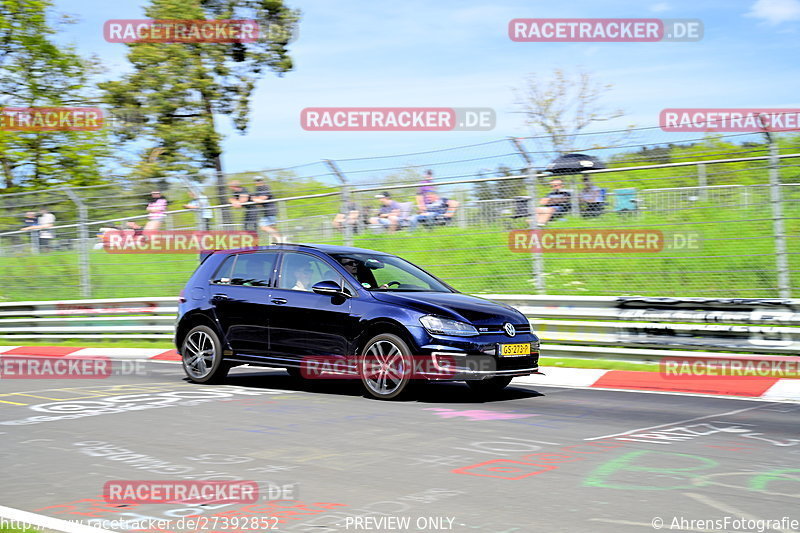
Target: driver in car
[{"x": 354, "y": 266}]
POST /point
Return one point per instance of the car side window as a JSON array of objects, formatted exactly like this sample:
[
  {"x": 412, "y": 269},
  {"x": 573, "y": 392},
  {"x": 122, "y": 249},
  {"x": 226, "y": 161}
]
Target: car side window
[
  {"x": 225, "y": 271},
  {"x": 248, "y": 270},
  {"x": 300, "y": 272}
]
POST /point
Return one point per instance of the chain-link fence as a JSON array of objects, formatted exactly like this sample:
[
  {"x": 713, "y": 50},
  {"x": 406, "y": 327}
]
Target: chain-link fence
[{"x": 729, "y": 208}]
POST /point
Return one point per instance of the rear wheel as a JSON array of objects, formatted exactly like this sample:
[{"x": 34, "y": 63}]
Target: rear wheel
[
  {"x": 488, "y": 387},
  {"x": 386, "y": 367},
  {"x": 201, "y": 356}
]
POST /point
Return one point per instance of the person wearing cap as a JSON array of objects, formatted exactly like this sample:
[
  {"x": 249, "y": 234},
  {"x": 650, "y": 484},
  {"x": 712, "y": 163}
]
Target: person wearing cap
[
  {"x": 388, "y": 214},
  {"x": 269, "y": 210}
]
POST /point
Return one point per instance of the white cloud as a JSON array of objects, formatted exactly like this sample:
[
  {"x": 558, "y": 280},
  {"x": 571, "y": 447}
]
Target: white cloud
[
  {"x": 660, "y": 7},
  {"x": 775, "y": 11}
]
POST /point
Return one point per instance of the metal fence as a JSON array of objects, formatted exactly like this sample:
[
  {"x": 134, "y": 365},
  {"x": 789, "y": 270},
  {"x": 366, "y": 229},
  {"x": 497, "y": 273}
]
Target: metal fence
[{"x": 741, "y": 206}]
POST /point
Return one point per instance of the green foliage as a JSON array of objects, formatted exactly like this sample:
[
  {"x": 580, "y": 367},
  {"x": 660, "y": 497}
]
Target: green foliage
[
  {"x": 36, "y": 71},
  {"x": 175, "y": 89}
]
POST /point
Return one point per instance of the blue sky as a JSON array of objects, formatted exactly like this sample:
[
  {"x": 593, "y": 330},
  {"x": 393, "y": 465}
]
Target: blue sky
[{"x": 456, "y": 53}]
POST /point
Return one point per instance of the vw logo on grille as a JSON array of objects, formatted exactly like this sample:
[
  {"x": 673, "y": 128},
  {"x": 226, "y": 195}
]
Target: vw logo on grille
[{"x": 510, "y": 331}]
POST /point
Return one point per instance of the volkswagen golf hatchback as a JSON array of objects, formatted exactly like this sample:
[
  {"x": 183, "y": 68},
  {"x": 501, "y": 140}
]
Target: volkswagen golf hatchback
[{"x": 326, "y": 312}]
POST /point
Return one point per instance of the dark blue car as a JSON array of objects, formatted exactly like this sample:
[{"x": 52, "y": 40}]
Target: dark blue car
[{"x": 324, "y": 311}]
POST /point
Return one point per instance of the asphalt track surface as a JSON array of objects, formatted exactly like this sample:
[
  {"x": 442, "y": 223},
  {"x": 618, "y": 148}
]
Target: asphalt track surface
[{"x": 327, "y": 459}]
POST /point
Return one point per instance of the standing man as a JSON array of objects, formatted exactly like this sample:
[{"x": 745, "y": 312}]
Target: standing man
[
  {"x": 200, "y": 202},
  {"x": 240, "y": 198},
  {"x": 269, "y": 210},
  {"x": 44, "y": 222}
]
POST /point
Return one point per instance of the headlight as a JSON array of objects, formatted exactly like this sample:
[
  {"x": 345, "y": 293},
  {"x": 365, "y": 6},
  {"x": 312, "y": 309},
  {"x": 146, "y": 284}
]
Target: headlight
[{"x": 445, "y": 326}]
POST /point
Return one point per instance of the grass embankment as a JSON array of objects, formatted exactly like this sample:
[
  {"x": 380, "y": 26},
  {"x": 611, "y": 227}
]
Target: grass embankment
[{"x": 736, "y": 258}]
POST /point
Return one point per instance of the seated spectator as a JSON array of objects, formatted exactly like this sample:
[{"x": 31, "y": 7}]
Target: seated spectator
[
  {"x": 555, "y": 204},
  {"x": 436, "y": 211},
  {"x": 388, "y": 214},
  {"x": 351, "y": 216},
  {"x": 592, "y": 199}
]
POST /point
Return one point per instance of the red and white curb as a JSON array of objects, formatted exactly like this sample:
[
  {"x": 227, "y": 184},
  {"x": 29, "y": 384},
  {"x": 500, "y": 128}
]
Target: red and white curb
[
  {"x": 766, "y": 388},
  {"x": 778, "y": 389},
  {"x": 156, "y": 354}
]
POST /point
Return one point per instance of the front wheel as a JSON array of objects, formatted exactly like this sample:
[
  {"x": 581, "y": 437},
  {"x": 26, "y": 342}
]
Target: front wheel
[
  {"x": 386, "y": 367},
  {"x": 201, "y": 356},
  {"x": 490, "y": 386}
]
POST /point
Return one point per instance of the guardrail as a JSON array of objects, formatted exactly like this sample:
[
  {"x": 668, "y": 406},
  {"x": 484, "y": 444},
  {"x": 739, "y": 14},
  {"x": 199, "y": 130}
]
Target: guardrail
[{"x": 587, "y": 327}]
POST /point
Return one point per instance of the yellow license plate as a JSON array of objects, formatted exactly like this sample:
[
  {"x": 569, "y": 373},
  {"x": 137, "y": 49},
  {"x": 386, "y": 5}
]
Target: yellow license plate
[{"x": 515, "y": 349}]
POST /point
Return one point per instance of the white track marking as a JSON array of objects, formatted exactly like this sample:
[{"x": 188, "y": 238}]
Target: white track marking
[
  {"x": 648, "y": 525},
  {"x": 47, "y": 522},
  {"x": 726, "y": 508},
  {"x": 716, "y": 415}
]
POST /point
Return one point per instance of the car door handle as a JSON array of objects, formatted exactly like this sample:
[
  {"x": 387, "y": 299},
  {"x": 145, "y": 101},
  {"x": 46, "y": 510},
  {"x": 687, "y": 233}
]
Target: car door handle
[
  {"x": 279, "y": 301},
  {"x": 220, "y": 297}
]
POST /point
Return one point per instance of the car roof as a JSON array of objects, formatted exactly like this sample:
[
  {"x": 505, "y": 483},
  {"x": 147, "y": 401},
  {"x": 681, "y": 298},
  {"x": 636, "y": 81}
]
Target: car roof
[{"x": 324, "y": 248}]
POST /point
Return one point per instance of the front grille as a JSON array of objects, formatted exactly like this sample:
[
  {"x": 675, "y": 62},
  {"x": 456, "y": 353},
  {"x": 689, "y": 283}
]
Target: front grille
[{"x": 520, "y": 328}]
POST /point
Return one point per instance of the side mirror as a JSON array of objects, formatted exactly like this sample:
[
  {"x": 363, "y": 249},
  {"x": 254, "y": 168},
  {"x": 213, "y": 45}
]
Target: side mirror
[{"x": 329, "y": 288}]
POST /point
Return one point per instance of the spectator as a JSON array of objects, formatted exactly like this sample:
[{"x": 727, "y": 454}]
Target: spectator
[
  {"x": 240, "y": 198},
  {"x": 269, "y": 210},
  {"x": 28, "y": 221},
  {"x": 44, "y": 222},
  {"x": 156, "y": 210},
  {"x": 426, "y": 187},
  {"x": 200, "y": 202},
  {"x": 351, "y": 216},
  {"x": 388, "y": 214},
  {"x": 435, "y": 211},
  {"x": 555, "y": 204},
  {"x": 591, "y": 198}
]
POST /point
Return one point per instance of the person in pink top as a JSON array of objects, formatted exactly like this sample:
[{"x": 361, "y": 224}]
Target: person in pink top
[{"x": 156, "y": 210}]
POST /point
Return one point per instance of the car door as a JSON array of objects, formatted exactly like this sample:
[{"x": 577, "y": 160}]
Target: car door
[
  {"x": 304, "y": 323},
  {"x": 240, "y": 297}
]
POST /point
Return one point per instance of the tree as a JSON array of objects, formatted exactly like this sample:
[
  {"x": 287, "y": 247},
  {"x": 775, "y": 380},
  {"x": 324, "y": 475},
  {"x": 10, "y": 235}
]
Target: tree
[
  {"x": 176, "y": 89},
  {"x": 558, "y": 109},
  {"x": 35, "y": 71}
]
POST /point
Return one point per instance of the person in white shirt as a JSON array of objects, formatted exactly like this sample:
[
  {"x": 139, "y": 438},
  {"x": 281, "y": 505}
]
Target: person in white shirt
[{"x": 44, "y": 223}]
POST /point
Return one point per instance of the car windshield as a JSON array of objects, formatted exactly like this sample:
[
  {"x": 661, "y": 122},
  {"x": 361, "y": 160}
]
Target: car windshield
[{"x": 378, "y": 272}]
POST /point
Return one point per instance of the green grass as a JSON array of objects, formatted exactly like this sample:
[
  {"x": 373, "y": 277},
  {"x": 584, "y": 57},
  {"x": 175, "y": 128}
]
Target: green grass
[
  {"x": 736, "y": 259},
  {"x": 597, "y": 363}
]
